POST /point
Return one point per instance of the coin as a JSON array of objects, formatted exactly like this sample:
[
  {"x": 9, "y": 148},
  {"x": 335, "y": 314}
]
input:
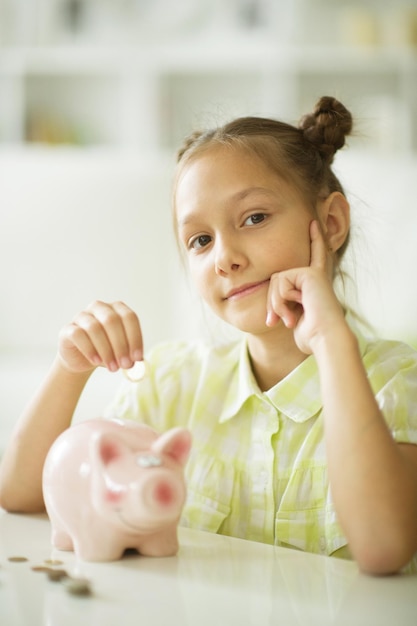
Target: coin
[
  {"x": 52, "y": 562},
  {"x": 78, "y": 586},
  {"x": 136, "y": 373},
  {"x": 17, "y": 559},
  {"x": 56, "y": 575},
  {"x": 40, "y": 568}
]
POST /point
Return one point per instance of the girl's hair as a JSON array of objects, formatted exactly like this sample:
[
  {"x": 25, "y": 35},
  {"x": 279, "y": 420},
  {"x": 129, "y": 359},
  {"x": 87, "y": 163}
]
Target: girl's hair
[{"x": 300, "y": 154}]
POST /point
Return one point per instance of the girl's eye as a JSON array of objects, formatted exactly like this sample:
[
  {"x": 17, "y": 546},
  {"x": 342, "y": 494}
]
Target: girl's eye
[
  {"x": 200, "y": 242},
  {"x": 256, "y": 218}
]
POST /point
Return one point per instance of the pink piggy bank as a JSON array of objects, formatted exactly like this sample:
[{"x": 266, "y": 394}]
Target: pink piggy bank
[{"x": 110, "y": 485}]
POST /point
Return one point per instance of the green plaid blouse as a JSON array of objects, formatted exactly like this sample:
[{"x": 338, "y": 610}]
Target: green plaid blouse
[{"x": 258, "y": 467}]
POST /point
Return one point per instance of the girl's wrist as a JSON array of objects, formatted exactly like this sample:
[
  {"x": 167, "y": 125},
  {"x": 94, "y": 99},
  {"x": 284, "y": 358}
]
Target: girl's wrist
[
  {"x": 334, "y": 341},
  {"x": 61, "y": 370}
]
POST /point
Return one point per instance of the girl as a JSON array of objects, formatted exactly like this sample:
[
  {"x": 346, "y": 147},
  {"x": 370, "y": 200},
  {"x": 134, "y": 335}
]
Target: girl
[{"x": 304, "y": 432}]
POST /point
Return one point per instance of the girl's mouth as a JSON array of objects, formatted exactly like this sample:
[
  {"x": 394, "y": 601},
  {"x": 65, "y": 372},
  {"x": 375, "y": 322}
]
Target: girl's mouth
[{"x": 245, "y": 290}]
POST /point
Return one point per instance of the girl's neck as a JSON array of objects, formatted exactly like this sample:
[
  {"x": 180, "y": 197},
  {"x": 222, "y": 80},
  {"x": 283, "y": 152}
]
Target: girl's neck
[{"x": 273, "y": 356}]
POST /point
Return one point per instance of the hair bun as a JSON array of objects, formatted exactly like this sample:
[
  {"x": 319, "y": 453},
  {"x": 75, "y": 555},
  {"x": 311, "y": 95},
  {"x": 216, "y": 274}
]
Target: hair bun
[{"x": 327, "y": 126}]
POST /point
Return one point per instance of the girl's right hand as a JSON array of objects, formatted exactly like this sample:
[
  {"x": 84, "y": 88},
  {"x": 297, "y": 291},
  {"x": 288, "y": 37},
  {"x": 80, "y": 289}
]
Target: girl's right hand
[{"x": 107, "y": 335}]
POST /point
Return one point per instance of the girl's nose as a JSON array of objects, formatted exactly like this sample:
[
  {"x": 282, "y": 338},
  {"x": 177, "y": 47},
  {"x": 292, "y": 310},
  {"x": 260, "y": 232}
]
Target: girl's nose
[{"x": 228, "y": 258}]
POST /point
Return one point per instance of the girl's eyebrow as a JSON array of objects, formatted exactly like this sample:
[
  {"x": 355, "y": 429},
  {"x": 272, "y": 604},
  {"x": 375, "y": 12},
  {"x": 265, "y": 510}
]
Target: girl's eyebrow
[
  {"x": 237, "y": 197},
  {"x": 241, "y": 195}
]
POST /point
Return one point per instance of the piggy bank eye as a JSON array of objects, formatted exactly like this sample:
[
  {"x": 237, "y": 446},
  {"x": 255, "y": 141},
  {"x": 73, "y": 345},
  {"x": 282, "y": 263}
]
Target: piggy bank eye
[{"x": 148, "y": 460}]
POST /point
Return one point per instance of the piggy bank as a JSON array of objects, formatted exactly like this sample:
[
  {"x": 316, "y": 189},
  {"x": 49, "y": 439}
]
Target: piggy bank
[{"x": 110, "y": 485}]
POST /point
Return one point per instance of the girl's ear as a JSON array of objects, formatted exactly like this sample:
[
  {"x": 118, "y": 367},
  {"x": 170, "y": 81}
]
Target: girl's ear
[{"x": 334, "y": 215}]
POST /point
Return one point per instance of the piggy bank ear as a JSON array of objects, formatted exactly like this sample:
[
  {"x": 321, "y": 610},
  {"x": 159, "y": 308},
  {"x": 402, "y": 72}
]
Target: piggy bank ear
[
  {"x": 107, "y": 448},
  {"x": 175, "y": 442}
]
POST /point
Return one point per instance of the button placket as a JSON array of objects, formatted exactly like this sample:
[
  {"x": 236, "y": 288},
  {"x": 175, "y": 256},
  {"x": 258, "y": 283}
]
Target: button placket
[{"x": 266, "y": 427}]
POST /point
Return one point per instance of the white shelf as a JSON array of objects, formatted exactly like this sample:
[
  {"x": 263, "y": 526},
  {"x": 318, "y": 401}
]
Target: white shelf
[
  {"x": 149, "y": 96},
  {"x": 206, "y": 53}
]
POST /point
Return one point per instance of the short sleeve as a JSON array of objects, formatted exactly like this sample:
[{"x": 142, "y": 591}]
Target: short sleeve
[{"x": 392, "y": 372}]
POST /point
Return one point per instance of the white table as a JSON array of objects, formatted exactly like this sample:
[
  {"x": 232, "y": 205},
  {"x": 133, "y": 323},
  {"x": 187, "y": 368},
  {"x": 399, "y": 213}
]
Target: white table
[{"x": 213, "y": 581}]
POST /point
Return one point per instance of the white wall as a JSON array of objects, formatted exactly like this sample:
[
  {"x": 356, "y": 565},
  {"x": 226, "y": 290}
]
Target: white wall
[
  {"x": 79, "y": 226},
  {"x": 75, "y": 227},
  {"x": 382, "y": 189}
]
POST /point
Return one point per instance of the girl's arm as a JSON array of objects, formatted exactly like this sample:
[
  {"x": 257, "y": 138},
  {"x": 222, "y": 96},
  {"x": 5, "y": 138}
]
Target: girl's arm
[
  {"x": 373, "y": 479},
  {"x": 46, "y": 416},
  {"x": 102, "y": 335}
]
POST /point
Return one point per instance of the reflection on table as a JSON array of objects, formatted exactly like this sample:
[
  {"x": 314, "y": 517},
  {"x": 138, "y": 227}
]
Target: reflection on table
[{"x": 214, "y": 581}]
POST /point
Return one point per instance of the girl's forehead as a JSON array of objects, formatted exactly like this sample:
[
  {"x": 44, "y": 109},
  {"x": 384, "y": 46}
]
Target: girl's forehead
[
  {"x": 225, "y": 152},
  {"x": 226, "y": 179},
  {"x": 224, "y": 166},
  {"x": 213, "y": 180}
]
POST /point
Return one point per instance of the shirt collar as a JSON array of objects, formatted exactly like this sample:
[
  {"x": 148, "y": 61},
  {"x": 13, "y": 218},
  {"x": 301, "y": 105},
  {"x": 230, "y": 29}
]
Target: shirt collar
[
  {"x": 297, "y": 396},
  {"x": 243, "y": 386}
]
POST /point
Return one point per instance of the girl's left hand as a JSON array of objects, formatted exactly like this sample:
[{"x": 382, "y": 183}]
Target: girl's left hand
[{"x": 304, "y": 299}]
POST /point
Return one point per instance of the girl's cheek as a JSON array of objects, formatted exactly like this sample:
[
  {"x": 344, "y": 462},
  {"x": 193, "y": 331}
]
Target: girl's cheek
[{"x": 197, "y": 276}]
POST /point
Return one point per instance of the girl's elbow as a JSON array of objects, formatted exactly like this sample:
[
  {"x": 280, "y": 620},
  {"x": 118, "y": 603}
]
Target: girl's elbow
[
  {"x": 387, "y": 559},
  {"x": 7, "y": 503},
  {"x": 11, "y": 502}
]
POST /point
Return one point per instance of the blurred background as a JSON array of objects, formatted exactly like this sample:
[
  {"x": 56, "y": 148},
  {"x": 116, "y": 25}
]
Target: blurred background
[{"x": 95, "y": 97}]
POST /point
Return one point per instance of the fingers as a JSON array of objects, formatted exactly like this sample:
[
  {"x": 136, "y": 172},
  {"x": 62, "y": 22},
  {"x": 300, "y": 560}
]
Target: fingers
[
  {"x": 105, "y": 334},
  {"x": 319, "y": 250},
  {"x": 285, "y": 290},
  {"x": 284, "y": 299},
  {"x": 132, "y": 332}
]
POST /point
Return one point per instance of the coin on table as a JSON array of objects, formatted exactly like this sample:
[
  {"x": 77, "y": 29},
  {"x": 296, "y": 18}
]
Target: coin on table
[
  {"x": 56, "y": 575},
  {"x": 78, "y": 586},
  {"x": 17, "y": 559},
  {"x": 40, "y": 568}
]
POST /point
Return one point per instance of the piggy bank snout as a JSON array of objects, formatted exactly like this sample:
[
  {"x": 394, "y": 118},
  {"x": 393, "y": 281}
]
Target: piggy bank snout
[{"x": 163, "y": 493}]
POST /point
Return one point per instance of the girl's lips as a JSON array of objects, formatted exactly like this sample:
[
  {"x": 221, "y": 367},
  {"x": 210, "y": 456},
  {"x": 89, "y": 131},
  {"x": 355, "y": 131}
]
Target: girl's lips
[{"x": 245, "y": 290}]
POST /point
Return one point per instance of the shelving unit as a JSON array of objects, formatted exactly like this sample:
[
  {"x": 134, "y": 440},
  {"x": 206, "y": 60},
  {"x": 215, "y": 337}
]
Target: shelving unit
[{"x": 147, "y": 96}]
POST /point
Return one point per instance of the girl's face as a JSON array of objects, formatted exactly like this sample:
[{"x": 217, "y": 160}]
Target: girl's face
[{"x": 239, "y": 223}]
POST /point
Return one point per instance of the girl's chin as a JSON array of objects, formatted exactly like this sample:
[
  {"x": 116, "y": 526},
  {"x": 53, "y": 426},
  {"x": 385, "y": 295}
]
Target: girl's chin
[{"x": 257, "y": 327}]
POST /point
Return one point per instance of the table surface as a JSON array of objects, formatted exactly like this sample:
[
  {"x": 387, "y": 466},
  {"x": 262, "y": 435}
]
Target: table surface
[{"x": 214, "y": 580}]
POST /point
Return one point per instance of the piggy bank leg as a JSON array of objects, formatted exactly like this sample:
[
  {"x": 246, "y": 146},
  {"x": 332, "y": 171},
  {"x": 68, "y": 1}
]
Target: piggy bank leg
[
  {"x": 87, "y": 553},
  {"x": 98, "y": 546},
  {"x": 164, "y": 543},
  {"x": 60, "y": 538}
]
